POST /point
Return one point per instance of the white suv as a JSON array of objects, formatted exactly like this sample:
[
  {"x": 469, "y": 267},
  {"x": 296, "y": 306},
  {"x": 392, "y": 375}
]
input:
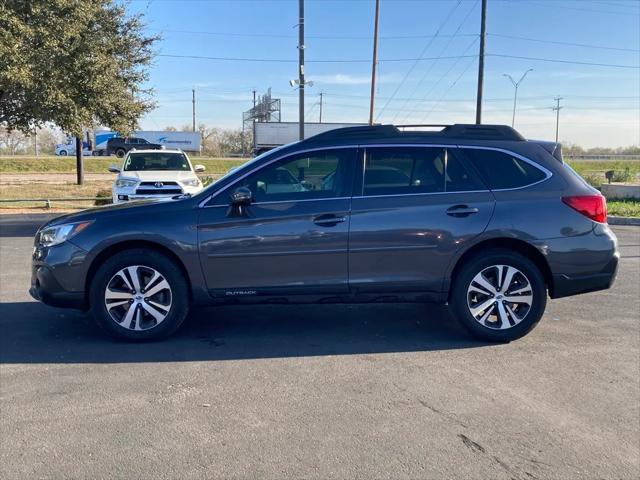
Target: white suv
[{"x": 155, "y": 174}]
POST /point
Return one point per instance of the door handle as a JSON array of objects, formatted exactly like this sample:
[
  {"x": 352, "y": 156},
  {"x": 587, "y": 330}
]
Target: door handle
[
  {"x": 461, "y": 211},
  {"x": 328, "y": 220}
]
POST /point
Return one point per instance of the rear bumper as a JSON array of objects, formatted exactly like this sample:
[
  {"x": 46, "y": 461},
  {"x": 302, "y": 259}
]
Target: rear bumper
[{"x": 565, "y": 285}]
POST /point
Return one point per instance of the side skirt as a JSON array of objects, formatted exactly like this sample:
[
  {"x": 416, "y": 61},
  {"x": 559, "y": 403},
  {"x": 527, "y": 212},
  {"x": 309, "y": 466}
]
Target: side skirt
[{"x": 249, "y": 298}]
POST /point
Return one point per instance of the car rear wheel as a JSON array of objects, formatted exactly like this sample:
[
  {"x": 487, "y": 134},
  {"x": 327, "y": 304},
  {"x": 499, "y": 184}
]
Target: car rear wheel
[
  {"x": 139, "y": 295},
  {"x": 63, "y": 153},
  {"x": 499, "y": 295},
  {"x": 120, "y": 153}
]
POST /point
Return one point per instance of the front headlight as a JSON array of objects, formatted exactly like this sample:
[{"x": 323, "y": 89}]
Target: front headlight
[
  {"x": 124, "y": 183},
  {"x": 191, "y": 182},
  {"x": 50, "y": 236}
]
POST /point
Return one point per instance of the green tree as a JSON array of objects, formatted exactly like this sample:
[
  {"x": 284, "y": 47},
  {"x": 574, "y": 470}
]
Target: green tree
[{"x": 74, "y": 63}]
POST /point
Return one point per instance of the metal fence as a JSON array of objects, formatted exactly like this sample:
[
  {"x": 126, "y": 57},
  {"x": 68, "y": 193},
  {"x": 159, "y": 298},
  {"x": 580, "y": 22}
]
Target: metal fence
[{"x": 48, "y": 201}]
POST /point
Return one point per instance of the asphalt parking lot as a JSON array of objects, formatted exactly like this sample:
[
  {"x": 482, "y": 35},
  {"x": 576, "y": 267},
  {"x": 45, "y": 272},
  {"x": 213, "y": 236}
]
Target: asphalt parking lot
[{"x": 395, "y": 391}]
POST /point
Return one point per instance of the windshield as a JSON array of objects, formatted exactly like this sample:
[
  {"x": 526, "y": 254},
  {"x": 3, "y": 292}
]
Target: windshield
[{"x": 157, "y": 161}]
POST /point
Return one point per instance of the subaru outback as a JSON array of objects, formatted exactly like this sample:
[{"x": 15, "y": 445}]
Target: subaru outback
[{"x": 473, "y": 216}]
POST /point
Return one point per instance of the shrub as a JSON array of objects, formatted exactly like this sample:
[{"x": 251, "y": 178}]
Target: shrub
[
  {"x": 623, "y": 175},
  {"x": 594, "y": 179},
  {"x": 208, "y": 180},
  {"x": 105, "y": 197}
]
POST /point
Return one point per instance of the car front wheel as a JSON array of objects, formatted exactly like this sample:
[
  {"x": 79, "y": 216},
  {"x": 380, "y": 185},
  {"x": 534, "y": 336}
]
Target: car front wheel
[
  {"x": 120, "y": 153},
  {"x": 139, "y": 295},
  {"x": 499, "y": 295}
]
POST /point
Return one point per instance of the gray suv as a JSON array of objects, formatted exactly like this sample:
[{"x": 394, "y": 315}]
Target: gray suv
[{"x": 473, "y": 216}]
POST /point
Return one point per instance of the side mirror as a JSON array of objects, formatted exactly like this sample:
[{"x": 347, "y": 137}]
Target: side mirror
[
  {"x": 241, "y": 197},
  {"x": 199, "y": 168},
  {"x": 114, "y": 169}
]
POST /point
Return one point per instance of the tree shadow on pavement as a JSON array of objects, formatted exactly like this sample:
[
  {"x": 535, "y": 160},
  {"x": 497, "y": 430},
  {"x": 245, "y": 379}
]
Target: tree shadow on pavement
[{"x": 34, "y": 333}]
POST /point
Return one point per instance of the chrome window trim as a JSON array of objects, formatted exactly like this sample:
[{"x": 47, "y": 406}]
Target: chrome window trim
[
  {"x": 202, "y": 204},
  {"x": 548, "y": 173},
  {"x": 286, "y": 201},
  {"x": 422, "y": 193}
]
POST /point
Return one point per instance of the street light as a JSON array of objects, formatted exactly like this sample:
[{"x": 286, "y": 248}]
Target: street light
[
  {"x": 515, "y": 95},
  {"x": 296, "y": 83}
]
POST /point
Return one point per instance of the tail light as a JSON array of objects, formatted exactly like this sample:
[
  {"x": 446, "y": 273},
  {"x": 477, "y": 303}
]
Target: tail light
[{"x": 591, "y": 206}]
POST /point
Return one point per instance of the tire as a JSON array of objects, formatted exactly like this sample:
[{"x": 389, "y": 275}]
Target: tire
[
  {"x": 501, "y": 320},
  {"x": 120, "y": 153},
  {"x": 139, "y": 317},
  {"x": 63, "y": 153}
]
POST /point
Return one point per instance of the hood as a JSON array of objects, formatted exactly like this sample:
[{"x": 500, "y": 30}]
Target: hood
[
  {"x": 158, "y": 175},
  {"x": 109, "y": 210}
]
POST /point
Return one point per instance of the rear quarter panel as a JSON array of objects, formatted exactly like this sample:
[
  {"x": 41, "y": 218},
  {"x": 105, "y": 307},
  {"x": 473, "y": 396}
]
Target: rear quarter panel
[{"x": 536, "y": 215}]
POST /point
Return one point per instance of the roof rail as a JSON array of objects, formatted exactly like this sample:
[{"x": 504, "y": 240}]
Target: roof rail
[
  {"x": 482, "y": 132},
  {"x": 455, "y": 131},
  {"x": 354, "y": 133}
]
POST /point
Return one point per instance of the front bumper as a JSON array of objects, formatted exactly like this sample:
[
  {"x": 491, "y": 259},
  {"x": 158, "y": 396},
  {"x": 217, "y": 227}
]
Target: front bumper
[
  {"x": 58, "y": 275},
  {"x": 46, "y": 289},
  {"x": 123, "y": 195},
  {"x": 123, "y": 198}
]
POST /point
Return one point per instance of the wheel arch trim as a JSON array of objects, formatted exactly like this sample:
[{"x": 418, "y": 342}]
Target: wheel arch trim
[
  {"x": 529, "y": 250},
  {"x": 123, "y": 245}
]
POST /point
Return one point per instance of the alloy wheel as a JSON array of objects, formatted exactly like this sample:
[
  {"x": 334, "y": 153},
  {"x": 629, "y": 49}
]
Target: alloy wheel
[
  {"x": 499, "y": 297},
  {"x": 138, "y": 298}
]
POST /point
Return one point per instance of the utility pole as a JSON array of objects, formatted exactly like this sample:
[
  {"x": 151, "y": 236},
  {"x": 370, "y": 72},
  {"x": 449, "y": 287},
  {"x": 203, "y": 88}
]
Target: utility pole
[
  {"x": 253, "y": 126},
  {"x": 515, "y": 95},
  {"x": 301, "y": 67},
  {"x": 79, "y": 165},
  {"x": 557, "y": 109},
  {"x": 35, "y": 140},
  {"x": 374, "y": 62},
  {"x": 193, "y": 109},
  {"x": 321, "y": 106},
  {"x": 483, "y": 35}
]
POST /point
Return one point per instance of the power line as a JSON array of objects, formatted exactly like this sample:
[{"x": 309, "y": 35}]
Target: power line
[
  {"x": 424, "y": 50},
  {"x": 579, "y": 9},
  {"x": 445, "y": 74},
  {"x": 316, "y": 37},
  {"x": 557, "y": 60},
  {"x": 428, "y": 70},
  {"x": 448, "y": 90},
  {"x": 419, "y": 59},
  {"x": 281, "y": 60},
  {"x": 395, "y": 37},
  {"x": 554, "y": 42}
]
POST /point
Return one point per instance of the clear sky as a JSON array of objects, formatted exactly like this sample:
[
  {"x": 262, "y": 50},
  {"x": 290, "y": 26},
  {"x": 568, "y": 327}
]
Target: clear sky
[{"x": 601, "y": 103}]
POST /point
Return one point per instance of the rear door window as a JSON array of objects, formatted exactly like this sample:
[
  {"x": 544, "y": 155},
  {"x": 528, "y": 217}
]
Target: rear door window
[
  {"x": 500, "y": 170},
  {"x": 411, "y": 170}
]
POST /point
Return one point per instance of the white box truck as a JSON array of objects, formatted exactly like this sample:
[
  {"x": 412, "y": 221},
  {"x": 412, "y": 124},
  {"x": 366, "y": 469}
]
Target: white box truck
[
  {"x": 187, "y": 141},
  {"x": 268, "y": 135}
]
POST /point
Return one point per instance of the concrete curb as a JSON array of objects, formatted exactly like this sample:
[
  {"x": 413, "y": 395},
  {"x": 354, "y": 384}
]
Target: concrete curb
[{"x": 613, "y": 220}]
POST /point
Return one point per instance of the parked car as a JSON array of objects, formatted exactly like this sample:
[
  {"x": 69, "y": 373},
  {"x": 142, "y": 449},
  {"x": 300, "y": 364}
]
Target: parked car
[
  {"x": 121, "y": 145},
  {"x": 473, "y": 216},
  {"x": 149, "y": 174},
  {"x": 69, "y": 148}
]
